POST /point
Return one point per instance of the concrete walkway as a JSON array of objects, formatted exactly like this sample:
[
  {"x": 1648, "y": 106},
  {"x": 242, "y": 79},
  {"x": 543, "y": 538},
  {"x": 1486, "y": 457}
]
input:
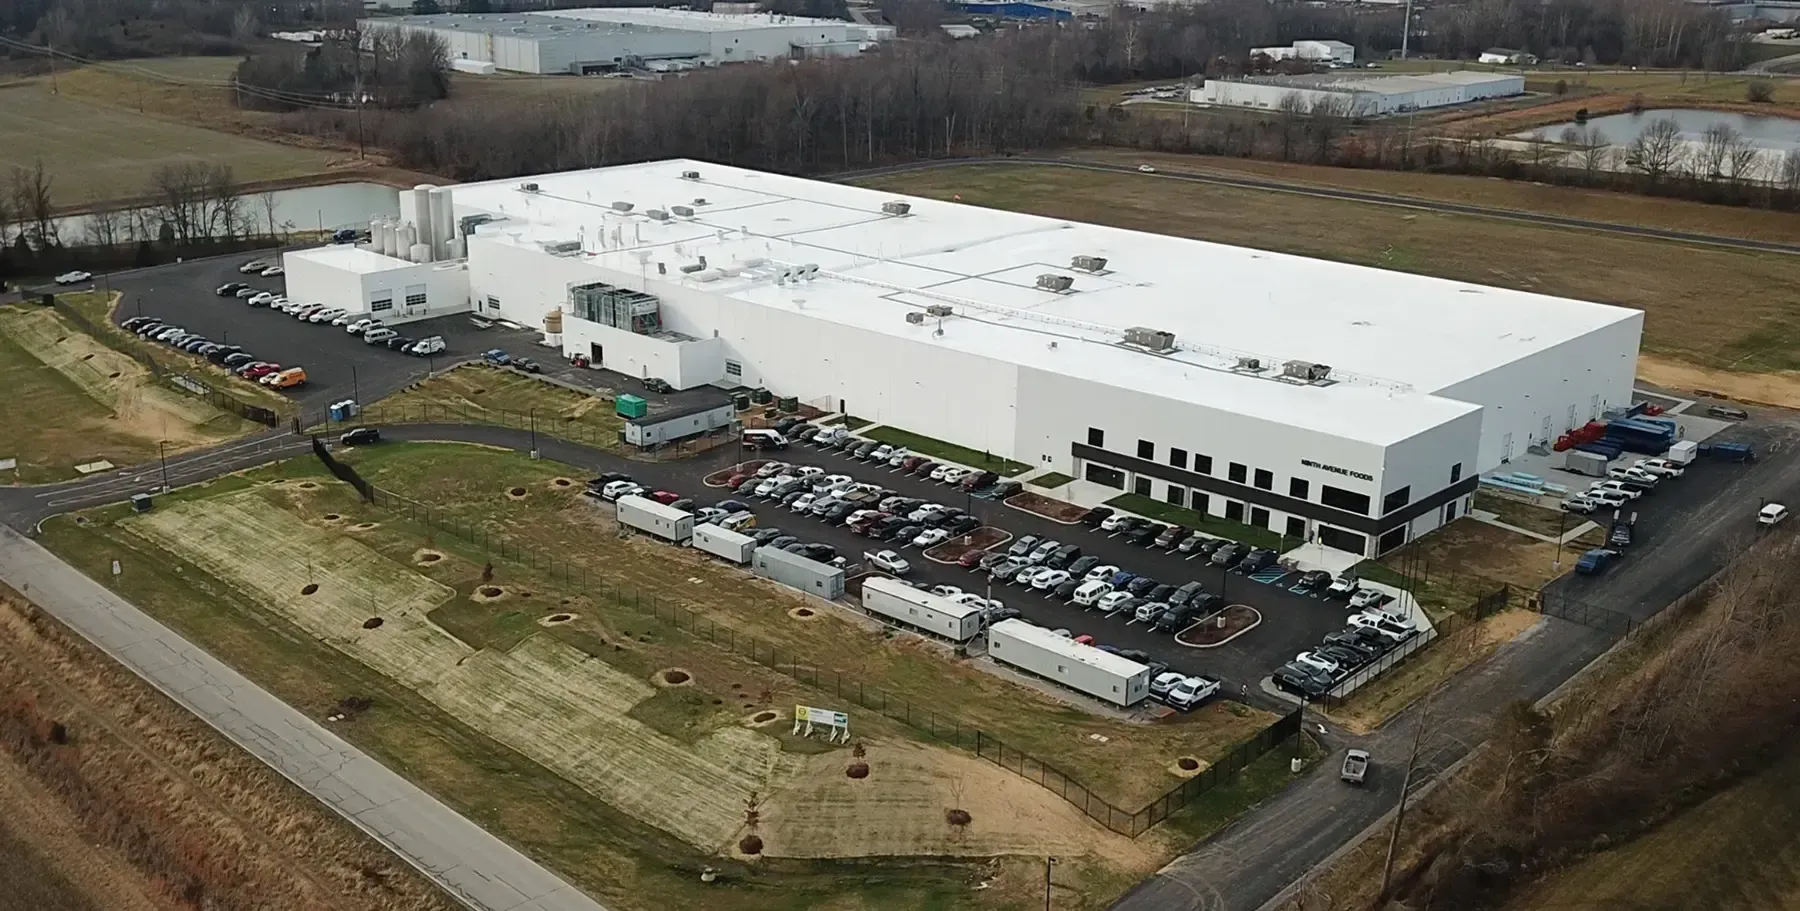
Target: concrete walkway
[{"x": 478, "y": 869}]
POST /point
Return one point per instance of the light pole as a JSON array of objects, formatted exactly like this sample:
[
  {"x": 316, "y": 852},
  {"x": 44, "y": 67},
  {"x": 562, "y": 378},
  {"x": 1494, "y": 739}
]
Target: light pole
[
  {"x": 532, "y": 415},
  {"x": 163, "y": 457},
  {"x": 355, "y": 386},
  {"x": 1562, "y": 521}
]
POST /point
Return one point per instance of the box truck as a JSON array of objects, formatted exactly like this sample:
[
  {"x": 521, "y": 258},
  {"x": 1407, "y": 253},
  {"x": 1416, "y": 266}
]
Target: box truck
[
  {"x": 1083, "y": 668},
  {"x": 724, "y": 543},
  {"x": 653, "y": 518},
  {"x": 919, "y": 609}
]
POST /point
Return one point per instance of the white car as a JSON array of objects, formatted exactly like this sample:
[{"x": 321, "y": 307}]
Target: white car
[
  {"x": 1607, "y": 497},
  {"x": 1322, "y": 663},
  {"x": 1049, "y": 579},
  {"x": 1366, "y": 597},
  {"x": 255, "y": 265},
  {"x": 377, "y": 336},
  {"x": 832, "y": 482},
  {"x": 925, "y": 509},
  {"x": 897, "y": 456},
  {"x": 1662, "y": 467},
  {"x": 767, "y": 485},
  {"x": 804, "y": 503},
  {"x": 1344, "y": 586},
  {"x": 955, "y": 475},
  {"x": 1146, "y": 169},
  {"x": 326, "y": 316},
  {"x": 73, "y": 278},
  {"x": 262, "y": 299},
  {"x": 949, "y": 591},
  {"x": 1113, "y": 601},
  {"x": 930, "y": 537},
  {"x": 1148, "y": 611},
  {"x": 346, "y": 319},
  {"x": 273, "y": 271},
  {"x": 1100, "y": 573},
  {"x": 1091, "y": 592},
  {"x": 771, "y": 469},
  {"x": 359, "y": 326},
  {"x": 619, "y": 489},
  {"x": 1191, "y": 692},
  {"x": 1162, "y": 683},
  {"x": 808, "y": 471},
  {"x": 1771, "y": 514},
  {"x": 1383, "y": 624},
  {"x": 888, "y": 561},
  {"x": 1114, "y": 522},
  {"x": 940, "y": 472}
]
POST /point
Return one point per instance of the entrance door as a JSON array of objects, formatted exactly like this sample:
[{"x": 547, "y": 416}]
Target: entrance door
[
  {"x": 1141, "y": 486},
  {"x": 1546, "y": 430},
  {"x": 596, "y": 354},
  {"x": 1234, "y": 510}
]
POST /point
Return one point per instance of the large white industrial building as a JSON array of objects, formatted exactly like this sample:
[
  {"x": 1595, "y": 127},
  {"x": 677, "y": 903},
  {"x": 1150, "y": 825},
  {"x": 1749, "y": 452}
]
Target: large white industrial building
[
  {"x": 1322, "y": 400},
  {"x": 592, "y": 41},
  {"x": 1322, "y": 51},
  {"x": 1360, "y": 94}
]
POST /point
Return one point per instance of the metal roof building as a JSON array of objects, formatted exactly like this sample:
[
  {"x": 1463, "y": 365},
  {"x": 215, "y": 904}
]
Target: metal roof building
[{"x": 1360, "y": 94}]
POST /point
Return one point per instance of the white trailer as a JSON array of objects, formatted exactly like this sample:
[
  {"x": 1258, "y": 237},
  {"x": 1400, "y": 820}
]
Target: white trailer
[
  {"x": 1083, "y": 668},
  {"x": 919, "y": 609},
  {"x": 653, "y": 518},
  {"x": 725, "y": 543}
]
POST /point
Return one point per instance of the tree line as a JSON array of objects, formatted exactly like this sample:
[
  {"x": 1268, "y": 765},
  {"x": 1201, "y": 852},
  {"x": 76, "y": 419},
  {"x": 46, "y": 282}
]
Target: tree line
[
  {"x": 115, "y": 29},
  {"x": 356, "y": 66}
]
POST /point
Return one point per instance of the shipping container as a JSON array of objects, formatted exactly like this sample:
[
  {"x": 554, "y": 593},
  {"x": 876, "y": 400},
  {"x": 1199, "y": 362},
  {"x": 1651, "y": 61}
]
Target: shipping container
[
  {"x": 1591, "y": 464},
  {"x": 1083, "y": 668},
  {"x": 653, "y": 518},
  {"x": 795, "y": 571},
  {"x": 725, "y": 543},
  {"x": 1728, "y": 452},
  {"x": 630, "y": 406},
  {"x": 920, "y": 609}
]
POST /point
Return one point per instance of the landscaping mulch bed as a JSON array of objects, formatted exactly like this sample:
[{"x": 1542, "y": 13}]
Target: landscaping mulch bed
[
  {"x": 1054, "y": 510},
  {"x": 983, "y": 538},
  {"x": 1238, "y": 619}
]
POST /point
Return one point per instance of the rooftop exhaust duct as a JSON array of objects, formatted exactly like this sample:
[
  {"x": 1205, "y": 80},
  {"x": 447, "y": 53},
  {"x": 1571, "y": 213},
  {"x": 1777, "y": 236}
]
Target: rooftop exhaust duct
[
  {"x": 622, "y": 206},
  {"x": 896, "y": 208},
  {"x": 1088, "y": 263},
  {"x": 1050, "y": 281}
]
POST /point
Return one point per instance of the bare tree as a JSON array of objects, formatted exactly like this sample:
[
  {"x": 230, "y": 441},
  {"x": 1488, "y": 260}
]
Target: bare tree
[
  {"x": 1592, "y": 151},
  {"x": 1656, "y": 151},
  {"x": 103, "y": 226},
  {"x": 31, "y": 204},
  {"x": 1708, "y": 160},
  {"x": 1789, "y": 178},
  {"x": 266, "y": 199},
  {"x": 180, "y": 194}
]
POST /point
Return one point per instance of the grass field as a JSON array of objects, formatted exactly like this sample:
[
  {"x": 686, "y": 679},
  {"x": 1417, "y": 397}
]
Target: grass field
[
  {"x": 1217, "y": 526},
  {"x": 1680, "y": 294},
  {"x": 496, "y": 395},
  {"x": 950, "y": 452},
  {"x": 97, "y": 308},
  {"x": 71, "y": 400},
  {"x": 96, "y": 148},
  {"x": 1526, "y": 515}
]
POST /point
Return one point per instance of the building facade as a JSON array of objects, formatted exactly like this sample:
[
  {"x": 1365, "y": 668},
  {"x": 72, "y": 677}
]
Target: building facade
[{"x": 1356, "y": 94}]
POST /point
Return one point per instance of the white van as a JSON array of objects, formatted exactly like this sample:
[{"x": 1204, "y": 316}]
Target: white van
[
  {"x": 1090, "y": 592},
  {"x": 764, "y": 439}
]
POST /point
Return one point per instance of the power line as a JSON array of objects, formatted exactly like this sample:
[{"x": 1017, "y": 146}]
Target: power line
[{"x": 298, "y": 99}]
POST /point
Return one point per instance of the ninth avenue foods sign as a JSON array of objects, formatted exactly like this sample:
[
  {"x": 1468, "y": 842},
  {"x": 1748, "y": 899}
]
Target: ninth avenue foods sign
[{"x": 1336, "y": 470}]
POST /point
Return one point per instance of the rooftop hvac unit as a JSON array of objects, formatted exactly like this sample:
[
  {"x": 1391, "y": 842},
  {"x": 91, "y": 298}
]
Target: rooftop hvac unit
[
  {"x": 691, "y": 268},
  {"x": 807, "y": 272},
  {"x": 690, "y": 175},
  {"x": 940, "y": 310},
  {"x": 528, "y": 187},
  {"x": 657, "y": 214},
  {"x": 622, "y": 206},
  {"x": 683, "y": 211},
  {"x": 896, "y": 208},
  {"x": 1305, "y": 370},
  {"x": 699, "y": 200},
  {"x": 1249, "y": 363},
  {"x": 915, "y": 317},
  {"x": 1151, "y": 339},
  {"x": 1052, "y": 282},
  {"x": 1089, "y": 263},
  {"x": 562, "y": 246}
]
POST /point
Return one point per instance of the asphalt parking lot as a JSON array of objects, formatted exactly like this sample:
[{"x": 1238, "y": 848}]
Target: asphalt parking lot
[{"x": 338, "y": 365}]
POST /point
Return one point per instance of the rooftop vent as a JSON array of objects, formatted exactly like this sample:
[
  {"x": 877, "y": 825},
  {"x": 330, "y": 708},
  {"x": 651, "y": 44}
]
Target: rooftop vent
[
  {"x": 1306, "y": 370},
  {"x": 683, "y": 211},
  {"x": 691, "y": 268},
  {"x": 915, "y": 317},
  {"x": 657, "y": 214},
  {"x": 1249, "y": 363},
  {"x": 940, "y": 310},
  {"x": 562, "y": 246},
  {"x": 1150, "y": 339},
  {"x": 622, "y": 206},
  {"x": 528, "y": 187},
  {"x": 690, "y": 175},
  {"x": 896, "y": 208},
  {"x": 699, "y": 200},
  {"x": 1050, "y": 281},
  {"x": 1088, "y": 263}
]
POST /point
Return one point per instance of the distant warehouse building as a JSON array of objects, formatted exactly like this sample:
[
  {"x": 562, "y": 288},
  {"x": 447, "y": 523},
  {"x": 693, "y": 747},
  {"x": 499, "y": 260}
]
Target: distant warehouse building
[
  {"x": 593, "y": 41},
  {"x": 1321, "y": 51},
  {"x": 1360, "y": 94}
]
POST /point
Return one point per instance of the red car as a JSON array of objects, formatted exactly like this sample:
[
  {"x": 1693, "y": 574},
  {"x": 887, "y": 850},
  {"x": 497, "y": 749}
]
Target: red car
[
  {"x": 971, "y": 559},
  {"x": 737, "y": 480},
  {"x": 261, "y": 370},
  {"x": 665, "y": 497},
  {"x": 1085, "y": 640}
]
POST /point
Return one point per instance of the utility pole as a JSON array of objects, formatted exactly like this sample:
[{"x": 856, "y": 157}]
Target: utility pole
[
  {"x": 1405, "y": 29},
  {"x": 1048, "y": 863},
  {"x": 163, "y": 457}
]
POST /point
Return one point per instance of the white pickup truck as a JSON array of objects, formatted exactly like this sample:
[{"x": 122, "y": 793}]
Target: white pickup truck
[{"x": 887, "y": 561}]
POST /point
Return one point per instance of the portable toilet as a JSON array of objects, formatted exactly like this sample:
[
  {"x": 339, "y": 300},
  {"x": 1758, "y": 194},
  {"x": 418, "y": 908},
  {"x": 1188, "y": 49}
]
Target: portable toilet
[{"x": 630, "y": 406}]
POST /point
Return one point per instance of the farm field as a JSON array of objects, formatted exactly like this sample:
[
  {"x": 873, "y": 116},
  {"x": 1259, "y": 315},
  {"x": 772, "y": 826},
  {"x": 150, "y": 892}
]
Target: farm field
[
  {"x": 128, "y": 802},
  {"x": 96, "y": 146},
  {"x": 72, "y": 400},
  {"x": 548, "y": 714},
  {"x": 1683, "y": 327}
]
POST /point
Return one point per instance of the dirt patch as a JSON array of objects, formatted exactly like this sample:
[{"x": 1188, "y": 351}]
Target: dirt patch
[
  {"x": 980, "y": 539},
  {"x": 372, "y": 623},
  {"x": 958, "y": 818},
  {"x": 559, "y": 619},
  {"x": 309, "y": 588},
  {"x": 803, "y": 613},
  {"x": 331, "y": 517},
  {"x": 750, "y": 845},
  {"x": 857, "y": 770},
  {"x": 1220, "y": 628},
  {"x": 427, "y": 557},
  {"x": 515, "y": 493},
  {"x": 561, "y": 483},
  {"x": 489, "y": 593},
  {"x": 1054, "y": 510},
  {"x": 1781, "y": 390},
  {"x": 1188, "y": 766},
  {"x": 763, "y": 719},
  {"x": 673, "y": 676}
]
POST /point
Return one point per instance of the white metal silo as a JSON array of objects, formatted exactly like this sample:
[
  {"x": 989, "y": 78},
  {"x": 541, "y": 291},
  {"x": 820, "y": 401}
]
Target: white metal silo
[
  {"x": 458, "y": 248},
  {"x": 442, "y": 223},
  {"x": 421, "y": 253},
  {"x": 420, "y": 213},
  {"x": 407, "y": 237}
]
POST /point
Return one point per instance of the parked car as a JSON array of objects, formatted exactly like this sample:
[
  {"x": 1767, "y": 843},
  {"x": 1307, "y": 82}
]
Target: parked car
[
  {"x": 377, "y": 336},
  {"x": 1115, "y": 522},
  {"x": 1093, "y": 518},
  {"x": 1066, "y": 591},
  {"x": 1190, "y": 692},
  {"x": 1172, "y": 536},
  {"x": 1022, "y": 547},
  {"x": 399, "y": 343},
  {"x": 254, "y": 266},
  {"x": 326, "y": 316},
  {"x": 496, "y": 356},
  {"x": 979, "y": 480},
  {"x": 1002, "y": 490},
  {"x": 1229, "y": 554},
  {"x": 1193, "y": 543},
  {"x": 359, "y": 326},
  {"x": 1139, "y": 586},
  {"x": 1257, "y": 560},
  {"x": 361, "y": 436},
  {"x": 1161, "y": 684},
  {"x": 930, "y": 537},
  {"x": 1113, "y": 601},
  {"x": 1005, "y": 570},
  {"x": 658, "y": 384},
  {"x": 1312, "y": 580},
  {"x": 230, "y": 288},
  {"x": 888, "y": 561},
  {"x": 1583, "y": 505}
]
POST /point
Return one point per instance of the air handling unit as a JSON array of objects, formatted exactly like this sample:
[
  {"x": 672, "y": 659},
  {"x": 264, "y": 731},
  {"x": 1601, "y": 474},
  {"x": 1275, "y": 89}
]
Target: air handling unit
[
  {"x": 1155, "y": 340},
  {"x": 1306, "y": 371},
  {"x": 1050, "y": 281}
]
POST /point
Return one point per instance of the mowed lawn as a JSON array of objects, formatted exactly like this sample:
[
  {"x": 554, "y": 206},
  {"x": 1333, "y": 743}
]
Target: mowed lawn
[
  {"x": 1711, "y": 307},
  {"x": 95, "y": 152}
]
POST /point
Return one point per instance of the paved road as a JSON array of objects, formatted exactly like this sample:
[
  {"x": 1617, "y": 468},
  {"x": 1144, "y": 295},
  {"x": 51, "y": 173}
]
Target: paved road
[
  {"x": 477, "y": 868},
  {"x": 1384, "y": 199},
  {"x": 1773, "y": 65}
]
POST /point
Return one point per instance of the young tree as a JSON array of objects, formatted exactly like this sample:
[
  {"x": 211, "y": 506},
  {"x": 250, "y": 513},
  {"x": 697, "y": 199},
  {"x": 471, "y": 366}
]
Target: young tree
[{"x": 1759, "y": 91}]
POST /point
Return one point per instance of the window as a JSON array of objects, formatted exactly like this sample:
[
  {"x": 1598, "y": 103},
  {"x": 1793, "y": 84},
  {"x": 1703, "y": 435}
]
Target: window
[
  {"x": 1456, "y": 472},
  {"x": 1096, "y": 438},
  {"x": 1177, "y": 457},
  {"x": 1234, "y": 510},
  {"x": 1198, "y": 502},
  {"x": 1265, "y": 479},
  {"x": 376, "y": 306},
  {"x": 415, "y": 300},
  {"x": 1236, "y": 472},
  {"x": 1396, "y": 499},
  {"x": 1296, "y": 528},
  {"x": 1111, "y": 477},
  {"x": 1146, "y": 449},
  {"x": 1392, "y": 538},
  {"x": 1298, "y": 488},
  {"x": 1202, "y": 463},
  {"x": 1340, "y": 539},
  {"x": 1141, "y": 486},
  {"x": 733, "y": 368},
  {"x": 1339, "y": 498},
  {"x": 1176, "y": 494},
  {"x": 1259, "y": 517}
]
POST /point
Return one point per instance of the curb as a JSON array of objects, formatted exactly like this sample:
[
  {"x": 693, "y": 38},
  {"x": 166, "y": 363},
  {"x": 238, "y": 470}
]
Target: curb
[
  {"x": 1006, "y": 536},
  {"x": 1253, "y": 625},
  {"x": 1008, "y": 503}
]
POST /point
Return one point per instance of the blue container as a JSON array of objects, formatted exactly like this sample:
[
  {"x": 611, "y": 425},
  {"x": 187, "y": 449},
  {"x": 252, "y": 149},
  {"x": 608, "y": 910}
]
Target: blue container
[{"x": 337, "y": 412}]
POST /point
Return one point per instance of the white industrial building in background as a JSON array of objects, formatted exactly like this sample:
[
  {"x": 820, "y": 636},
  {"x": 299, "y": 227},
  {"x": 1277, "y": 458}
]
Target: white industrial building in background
[
  {"x": 1321, "y": 51},
  {"x": 1325, "y": 401},
  {"x": 1359, "y": 94},
  {"x": 593, "y": 41}
]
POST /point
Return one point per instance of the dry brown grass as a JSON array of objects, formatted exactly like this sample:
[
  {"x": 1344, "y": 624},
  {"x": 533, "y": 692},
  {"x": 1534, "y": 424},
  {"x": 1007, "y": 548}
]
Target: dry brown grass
[{"x": 181, "y": 817}]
